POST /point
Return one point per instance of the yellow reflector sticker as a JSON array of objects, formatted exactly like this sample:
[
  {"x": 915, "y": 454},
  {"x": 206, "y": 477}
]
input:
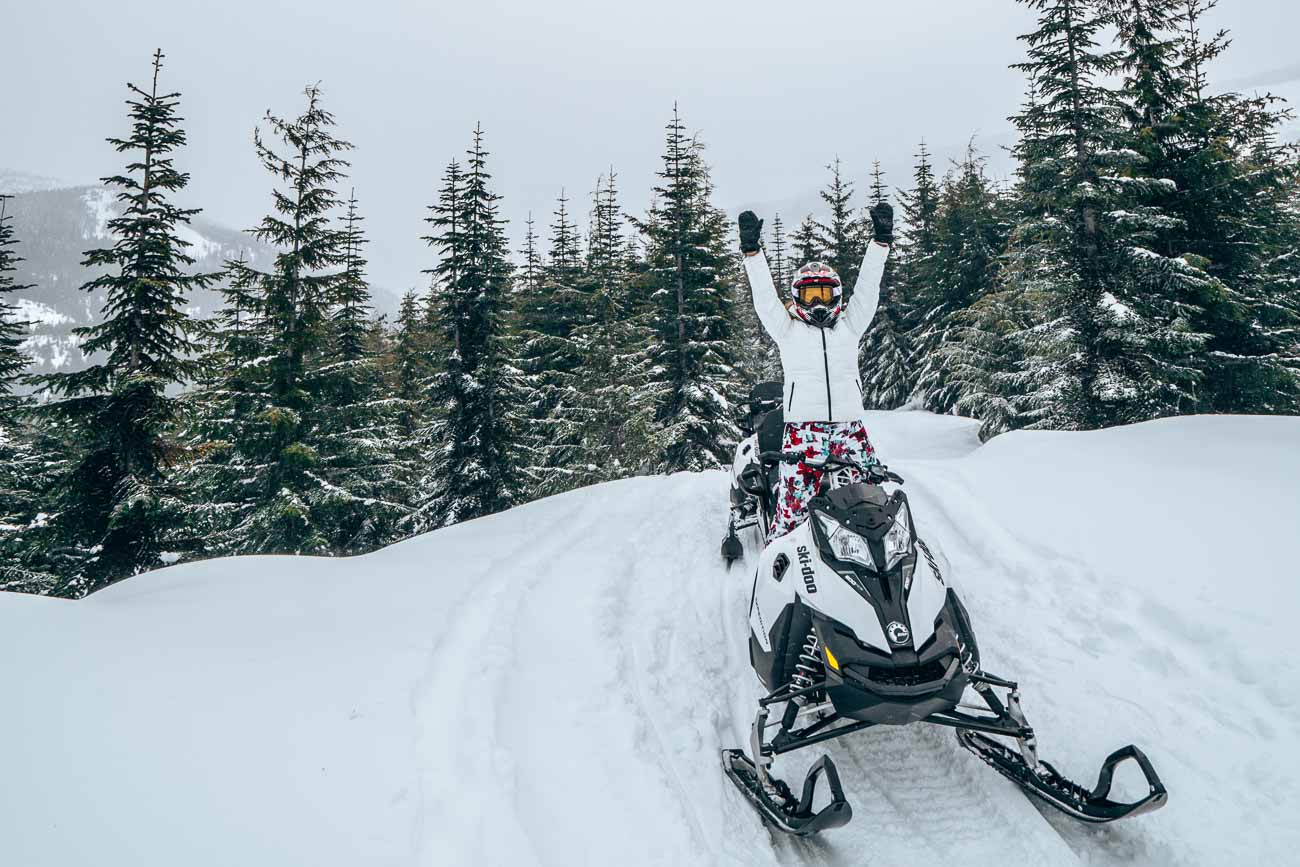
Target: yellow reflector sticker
[{"x": 831, "y": 660}]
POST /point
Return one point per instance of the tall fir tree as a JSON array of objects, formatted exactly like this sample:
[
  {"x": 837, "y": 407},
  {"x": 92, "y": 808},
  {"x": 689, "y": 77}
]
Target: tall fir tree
[
  {"x": 530, "y": 273},
  {"x": 690, "y": 282},
  {"x": 915, "y": 248},
  {"x": 885, "y": 368},
  {"x": 617, "y": 395},
  {"x": 366, "y": 465},
  {"x": 1068, "y": 250},
  {"x": 471, "y": 443},
  {"x": 551, "y": 358},
  {"x": 806, "y": 244},
  {"x": 24, "y": 472},
  {"x": 13, "y": 360},
  {"x": 778, "y": 254},
  {"x": 842, "y": 235},
  {"x": 969, "y": 235},
  {"x": 115, "y": 502},
  {"x": 263, "y": 490}
]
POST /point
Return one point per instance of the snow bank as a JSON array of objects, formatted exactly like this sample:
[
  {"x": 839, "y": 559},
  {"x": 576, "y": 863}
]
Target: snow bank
[{"x": 552, "y": 685}]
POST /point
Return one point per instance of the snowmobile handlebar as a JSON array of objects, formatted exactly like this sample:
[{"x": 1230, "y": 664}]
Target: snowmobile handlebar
[{"x": 875, "y": 473}]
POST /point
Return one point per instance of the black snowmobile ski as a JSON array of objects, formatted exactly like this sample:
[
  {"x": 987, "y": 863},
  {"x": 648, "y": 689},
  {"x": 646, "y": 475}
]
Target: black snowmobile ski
[
  {"x": 786, "y": 813},
  {"x": 1063, "y": 794}
]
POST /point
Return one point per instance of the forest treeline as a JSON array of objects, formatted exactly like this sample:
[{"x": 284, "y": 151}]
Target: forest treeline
[{"x": 1142, "y": 262}]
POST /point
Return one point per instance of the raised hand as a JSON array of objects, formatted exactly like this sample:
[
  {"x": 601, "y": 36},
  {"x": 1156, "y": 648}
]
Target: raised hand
[
  {"x": 751, "y": 230},
  {"x": 882, "y": 222}
]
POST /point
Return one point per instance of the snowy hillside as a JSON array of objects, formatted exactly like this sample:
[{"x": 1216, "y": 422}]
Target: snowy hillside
[
  {"x": 55, "y": 228},
  {"x": 552, "y": 685}
]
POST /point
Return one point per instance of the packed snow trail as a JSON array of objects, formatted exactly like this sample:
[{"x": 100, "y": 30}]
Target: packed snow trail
[{"x": 552, "y": 685}]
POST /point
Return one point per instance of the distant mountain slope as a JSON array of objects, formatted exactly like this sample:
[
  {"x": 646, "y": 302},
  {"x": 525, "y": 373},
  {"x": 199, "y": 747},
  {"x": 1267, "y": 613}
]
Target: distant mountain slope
[{"x": 55, "y": 228}]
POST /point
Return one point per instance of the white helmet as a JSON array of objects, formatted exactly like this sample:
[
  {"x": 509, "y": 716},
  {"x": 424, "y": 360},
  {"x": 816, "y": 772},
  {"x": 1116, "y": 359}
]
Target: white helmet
[{"x": 817, "y": 293}]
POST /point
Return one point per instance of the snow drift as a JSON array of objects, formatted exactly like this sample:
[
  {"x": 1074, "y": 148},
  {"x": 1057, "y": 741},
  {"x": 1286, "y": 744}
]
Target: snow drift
[{"x": 552, "y": 685}]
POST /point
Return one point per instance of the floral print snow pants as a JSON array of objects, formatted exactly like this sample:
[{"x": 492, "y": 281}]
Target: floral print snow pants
[{"x": 800, "y": 482}]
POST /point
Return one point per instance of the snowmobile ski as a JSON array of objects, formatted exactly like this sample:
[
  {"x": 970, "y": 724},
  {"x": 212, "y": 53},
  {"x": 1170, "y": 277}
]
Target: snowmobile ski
[
  {"x": 1063, "y": 794},
  {"x": 732, "y": 549},
  {"x": 778, "y": 804}
]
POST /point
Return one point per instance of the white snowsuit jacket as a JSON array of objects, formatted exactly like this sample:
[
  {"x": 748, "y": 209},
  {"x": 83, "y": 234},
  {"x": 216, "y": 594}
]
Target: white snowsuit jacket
[{"x": 820, "y": 365}]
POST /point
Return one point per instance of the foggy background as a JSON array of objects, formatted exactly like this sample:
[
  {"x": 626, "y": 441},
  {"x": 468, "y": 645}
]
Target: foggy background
[{"x": 564, "y": 89}]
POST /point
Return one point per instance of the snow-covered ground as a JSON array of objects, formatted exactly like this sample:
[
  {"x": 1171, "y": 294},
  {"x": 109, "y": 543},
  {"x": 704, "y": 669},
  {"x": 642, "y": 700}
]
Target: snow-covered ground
[{"x": 552, "y": 685}]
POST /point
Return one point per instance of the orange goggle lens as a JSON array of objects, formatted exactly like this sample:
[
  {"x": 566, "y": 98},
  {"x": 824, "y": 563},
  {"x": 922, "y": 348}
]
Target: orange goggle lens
[{"x": 815, "y": 293}]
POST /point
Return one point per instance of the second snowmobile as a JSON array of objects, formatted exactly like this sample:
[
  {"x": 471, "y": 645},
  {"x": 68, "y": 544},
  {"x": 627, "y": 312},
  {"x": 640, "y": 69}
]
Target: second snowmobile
[
  {"x": 854, "y": 624},
  {"x": 752, "y": 482}
]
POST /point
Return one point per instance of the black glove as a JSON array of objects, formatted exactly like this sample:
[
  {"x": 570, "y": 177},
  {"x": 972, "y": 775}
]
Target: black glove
[
  {"x": 751, "y": 229},
  {"x": 882, "y": 222}
]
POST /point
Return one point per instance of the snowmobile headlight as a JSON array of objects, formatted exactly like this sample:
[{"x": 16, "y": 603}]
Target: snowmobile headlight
[
  {"x": 898, "y": 541},
  {"x": 845, "y": 544}
]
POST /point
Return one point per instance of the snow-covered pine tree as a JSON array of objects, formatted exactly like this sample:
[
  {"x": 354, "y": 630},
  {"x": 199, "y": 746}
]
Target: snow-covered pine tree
[
  {"x": 115, "y": 502},
  {"x": 990, "y": 354},
  {"x": 551, "y": 359},
  {"x": 1235, "y": 188},
  {"x": 969, "y": 235},
  {"x": 530, "y": 273},
  {"x": 1079, "y": 367},
  {"x": 1162, "y": 290},
  {"x": 473, "y": 394},
  {"x": 883, "y": 356},
  {"x": 13, "y": 361},
  {"x": 806, "y": 244},
  {"x": 618, "y": 398},
  {"x": 915, "y": 247},
  {"x": 691, "y": 280},
  {"x": 366, "y": 465},
  {"x": 778, "y": 255},
  {"x": 410, "y": 363},
  {"x": 843, "y": 234},
  {"x": 269, "y": 496},
  {"x": 24, "y": 471}
]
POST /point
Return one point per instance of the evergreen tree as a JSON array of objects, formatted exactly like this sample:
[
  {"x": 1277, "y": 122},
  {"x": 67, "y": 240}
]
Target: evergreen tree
[
  {"x": 365, "y": 465},
  {"x": 617, "y": 396},
  {"x": 530, "y": 275},
  {"x": 883, "y": 357},
  {"x": 915, "y": 248},
  {"x": 411, "y": 363},
  {"x": 263, "y": 488},
  {"x": 968, "y": 235},
  {"x": 23, "y": 472},
  {"x": 470, "y": 444},
  {"x": 1229, "y": 185},
  {"x": 778, "y": 255},
  {"x": 843, "y": 236},
  {"x": 13, "y": 361},
  {"x": 114, "y": 502},
  {"x": 879, "y": 189},
  {"x": 806, "y": 244},
  {"x": 551, "y": 359},
  {"x": 1068, "y": 248},
  {"x": 691, "y": 288}
]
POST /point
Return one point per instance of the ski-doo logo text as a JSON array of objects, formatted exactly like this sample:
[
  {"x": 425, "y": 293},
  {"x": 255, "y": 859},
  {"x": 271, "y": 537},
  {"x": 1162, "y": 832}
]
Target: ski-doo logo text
[{"x": 806, "y": 569}]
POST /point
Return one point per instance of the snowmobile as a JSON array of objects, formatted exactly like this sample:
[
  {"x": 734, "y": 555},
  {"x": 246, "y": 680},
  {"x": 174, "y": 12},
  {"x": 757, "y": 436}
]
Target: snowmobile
[
  {"x": 855, "y": 624},
  {"x": 753, "y": 484}
]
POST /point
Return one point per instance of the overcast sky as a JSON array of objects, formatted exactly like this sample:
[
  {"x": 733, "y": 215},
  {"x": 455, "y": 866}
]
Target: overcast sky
[{"x": 563, "y": 88}]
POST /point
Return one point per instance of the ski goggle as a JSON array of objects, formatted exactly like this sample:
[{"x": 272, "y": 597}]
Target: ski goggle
[{"x": 815, "y": 291}]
